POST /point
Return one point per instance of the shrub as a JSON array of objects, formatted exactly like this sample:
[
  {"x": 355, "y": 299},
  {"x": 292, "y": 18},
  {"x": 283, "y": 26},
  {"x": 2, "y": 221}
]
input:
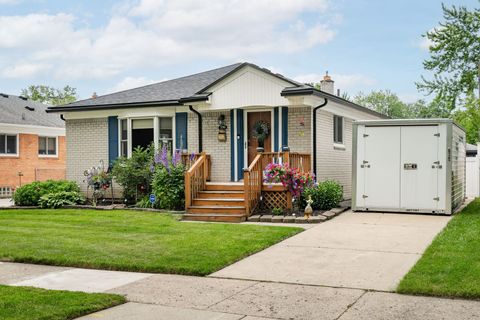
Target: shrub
[
  {"x": 325, "y": 195},
  {"x": 30, "y": 194},
  {"x": 168, "y": 185},
  {"x": 134, "y": 173},
  {"x": 55, "y": 200},
  {"x": 277, "y": 211}
]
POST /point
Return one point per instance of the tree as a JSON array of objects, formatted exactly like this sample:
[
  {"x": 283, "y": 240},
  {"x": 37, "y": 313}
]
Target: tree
[
  {"x": 385, "y": 102},
  {"x": 469, "y": 119},
  {"x": 50, "y": 95},
  {"x": 454, "y": 57}
]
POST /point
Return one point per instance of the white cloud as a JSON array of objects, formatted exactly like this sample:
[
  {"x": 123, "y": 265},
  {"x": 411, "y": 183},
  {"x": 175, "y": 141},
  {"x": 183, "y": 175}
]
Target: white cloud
[
  {"x": 425, "y": 43},
  {"x": 155, "y": 33},
  {"x": 342, "y": 81},
  {"x": 25, "y": 70},
  {"x": 9, "y": 2},
  {"x": 132, "y": 82}
]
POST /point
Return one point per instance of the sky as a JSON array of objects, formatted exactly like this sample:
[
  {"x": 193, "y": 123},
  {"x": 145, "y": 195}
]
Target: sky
[{"x": 107, "y": 46}]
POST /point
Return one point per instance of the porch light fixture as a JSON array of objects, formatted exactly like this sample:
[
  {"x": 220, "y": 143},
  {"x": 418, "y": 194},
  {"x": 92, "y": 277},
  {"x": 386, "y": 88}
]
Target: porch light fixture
[{"x": 222, "y": 128}]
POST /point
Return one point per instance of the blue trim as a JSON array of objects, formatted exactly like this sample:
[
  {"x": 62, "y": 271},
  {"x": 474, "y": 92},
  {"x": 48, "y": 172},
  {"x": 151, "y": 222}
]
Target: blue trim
[
  {"x": 232, "y": 147},
  {"x": 181, "y": 132},
  {"x": 112, "y": 139},
  {"x": 284, "y": 126},
  {"x": 240, "y": 142},
  {"x": 275, "y": 130}
]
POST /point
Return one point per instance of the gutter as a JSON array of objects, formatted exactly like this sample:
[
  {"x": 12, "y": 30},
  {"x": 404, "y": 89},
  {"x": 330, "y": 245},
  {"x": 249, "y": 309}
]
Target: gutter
[
  {"x": 314, "y": 138},
  {"x": 200, "y": 135},
  {"x": 114, "y": 106}
]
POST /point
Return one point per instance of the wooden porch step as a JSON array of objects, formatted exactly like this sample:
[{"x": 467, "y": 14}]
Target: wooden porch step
[
  {"x": 217, "y": 209},
  {"x": 218, "y": 202},
  {"x": 220, "y": 194},
  {"x": 227, "y": 186},
  {"x": 214, "y": 217}
]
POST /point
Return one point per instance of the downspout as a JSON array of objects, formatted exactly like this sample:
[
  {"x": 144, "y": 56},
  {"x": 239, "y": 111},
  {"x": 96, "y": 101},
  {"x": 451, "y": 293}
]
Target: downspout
[
  {"x": 314, "y": 138},
  {"x": 200, "y": 135},
  {"x": 61, "y": 117}
]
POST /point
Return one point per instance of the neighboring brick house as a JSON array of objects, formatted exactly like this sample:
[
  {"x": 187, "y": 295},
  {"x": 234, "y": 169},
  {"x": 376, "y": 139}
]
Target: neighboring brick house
[
  {"x": 237, "y": 96},
  {"x": 32, "y": 143}
]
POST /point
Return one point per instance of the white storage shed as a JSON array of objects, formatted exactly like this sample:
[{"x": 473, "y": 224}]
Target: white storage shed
[{"x": 408, "y": 165}]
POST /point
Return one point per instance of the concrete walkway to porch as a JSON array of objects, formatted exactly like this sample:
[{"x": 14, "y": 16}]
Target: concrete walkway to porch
[{"x": 340, "y": 269}]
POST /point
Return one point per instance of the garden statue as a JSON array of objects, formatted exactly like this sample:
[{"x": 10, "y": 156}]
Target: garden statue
[{"x": 308, "y": 208}]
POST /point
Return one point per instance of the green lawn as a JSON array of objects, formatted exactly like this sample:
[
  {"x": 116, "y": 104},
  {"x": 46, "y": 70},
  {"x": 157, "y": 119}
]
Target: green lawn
[
  {"x": 129, "y": 240},
  {"x": 22, "y": 303},
  {"x": 450, "y": 267}
]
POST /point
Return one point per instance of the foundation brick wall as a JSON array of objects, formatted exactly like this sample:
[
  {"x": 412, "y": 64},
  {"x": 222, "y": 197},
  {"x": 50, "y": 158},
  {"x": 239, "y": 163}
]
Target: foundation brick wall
[{"x": 30, "y": 164}]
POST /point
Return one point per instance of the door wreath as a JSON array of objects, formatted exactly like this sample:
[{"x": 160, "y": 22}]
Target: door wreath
[{"x": 261, "y": 130}]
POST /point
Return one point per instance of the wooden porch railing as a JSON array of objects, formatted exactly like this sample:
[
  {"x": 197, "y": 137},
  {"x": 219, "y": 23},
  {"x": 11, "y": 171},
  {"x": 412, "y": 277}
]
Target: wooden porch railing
[
  {"x": 301, "y": 161},
  {"x": 196, "y": 179},
  {"x": 188, "y": 160},
  {"x": 252, "y": 182}
]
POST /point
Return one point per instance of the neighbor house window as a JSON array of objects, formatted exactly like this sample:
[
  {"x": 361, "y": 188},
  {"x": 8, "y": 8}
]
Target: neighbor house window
[
  {"x": 338, "y": 129},
  {"x": 47, "y": 146},
  {"x": 8, "y": 144},
  {"x": 123, "y": 138},
  {"x": 165, "y": 133}
]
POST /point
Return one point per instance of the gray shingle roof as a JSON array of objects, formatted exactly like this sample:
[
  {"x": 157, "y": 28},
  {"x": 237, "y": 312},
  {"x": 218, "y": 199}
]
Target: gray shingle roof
[
  {"x": 172, "y": 90},
  {"x": 13, "y": 111}
]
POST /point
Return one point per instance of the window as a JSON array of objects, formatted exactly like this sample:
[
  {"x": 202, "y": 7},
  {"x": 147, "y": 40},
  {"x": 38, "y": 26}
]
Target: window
[
  {"x": 47, "y": 146},
  {"x": 123, "y": 138},
  {"x": 8, "y": 144},
  {"x": 165, "y": 133},
  {"x": 338, "y": 129}
]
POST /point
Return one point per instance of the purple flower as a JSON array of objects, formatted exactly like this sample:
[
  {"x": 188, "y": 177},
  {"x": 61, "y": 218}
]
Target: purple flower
[
  {"x": 192, "y": 156},
  {"x": 164, "y": 156},
  {"x": 156, "y": 158},
  {"x": 152, "y": 167},
  {"x": 176, "y": 158}
]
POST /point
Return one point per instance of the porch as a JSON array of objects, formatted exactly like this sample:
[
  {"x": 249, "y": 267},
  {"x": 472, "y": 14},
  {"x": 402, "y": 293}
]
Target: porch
[{"x": 235, "y": 201}]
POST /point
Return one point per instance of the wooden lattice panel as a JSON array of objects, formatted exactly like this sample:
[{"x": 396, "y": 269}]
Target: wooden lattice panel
[{"x": 275, "y": 199}]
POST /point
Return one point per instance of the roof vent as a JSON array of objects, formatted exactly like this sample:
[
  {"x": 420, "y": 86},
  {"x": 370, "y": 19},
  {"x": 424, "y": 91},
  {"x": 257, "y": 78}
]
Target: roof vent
[
  {"x": 30, "y": 108},
  {"x": 4, "y": 95},
  {"x": 23, "y": 98}
]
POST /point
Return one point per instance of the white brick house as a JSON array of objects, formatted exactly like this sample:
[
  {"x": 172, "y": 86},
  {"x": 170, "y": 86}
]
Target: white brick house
[{"x": 238, "y": 96}]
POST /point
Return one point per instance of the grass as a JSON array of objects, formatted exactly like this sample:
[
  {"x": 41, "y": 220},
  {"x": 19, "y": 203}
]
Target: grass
[
  {"x": 22, "y": 303},
  {"x": 129, "y": 240},
  {"x": 450, "y": 267}
]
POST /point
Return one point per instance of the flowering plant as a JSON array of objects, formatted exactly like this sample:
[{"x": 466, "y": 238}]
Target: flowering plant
[
  {"x": 291, "y": 178},
  {"x": 99, "y": 179}
]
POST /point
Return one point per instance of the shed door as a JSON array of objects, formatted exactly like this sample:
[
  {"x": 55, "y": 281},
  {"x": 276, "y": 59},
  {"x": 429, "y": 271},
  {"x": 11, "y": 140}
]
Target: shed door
[
  {"x": 420, "y": 166},
  {"x": 378, "y": 179}
]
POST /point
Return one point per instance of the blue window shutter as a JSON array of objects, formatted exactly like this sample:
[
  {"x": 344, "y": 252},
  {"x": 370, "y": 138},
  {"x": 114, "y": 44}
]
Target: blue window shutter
[
  {"x": 112, "y": 139},
  {"x": 275, "y": 129},
  {"x": 232, "y": 147},
  {"x": 284, "y": 127},
  {"x": 240, "y": 142},
  {"x": 181, "y": 123}
]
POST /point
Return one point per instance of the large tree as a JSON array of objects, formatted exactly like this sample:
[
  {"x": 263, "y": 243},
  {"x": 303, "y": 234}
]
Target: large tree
[
  {"x": 385, "y": 102},
  {"x": 454, "y": 57},
  {"x": 50, "y": 95}
]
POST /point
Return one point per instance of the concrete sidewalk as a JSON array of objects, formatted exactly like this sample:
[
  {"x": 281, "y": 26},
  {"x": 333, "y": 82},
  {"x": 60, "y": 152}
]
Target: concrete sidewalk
[
  {"x": 370, "y": 251},
  {"x": 176, "y": 297}
]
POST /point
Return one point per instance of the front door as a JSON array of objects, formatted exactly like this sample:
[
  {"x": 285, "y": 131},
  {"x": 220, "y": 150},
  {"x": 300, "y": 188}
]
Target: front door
[{"x": 252, "y": 143}]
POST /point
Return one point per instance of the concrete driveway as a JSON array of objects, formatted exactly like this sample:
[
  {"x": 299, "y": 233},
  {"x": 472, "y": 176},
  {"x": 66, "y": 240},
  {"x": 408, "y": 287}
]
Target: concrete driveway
[
  {"x": 370, "y": 251},
  {"x": 6, "y": 202}
]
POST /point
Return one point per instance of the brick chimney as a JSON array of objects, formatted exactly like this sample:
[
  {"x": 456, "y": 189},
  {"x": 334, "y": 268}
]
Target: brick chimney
[
  {"x": 94, "y": 95},
  {"x": 327, "y": 84}
]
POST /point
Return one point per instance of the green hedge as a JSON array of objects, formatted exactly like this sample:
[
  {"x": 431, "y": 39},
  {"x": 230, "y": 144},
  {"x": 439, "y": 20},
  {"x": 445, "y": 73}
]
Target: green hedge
[
  {"x": 30, "y": 194},
  {"x": 325, "y": 195}
]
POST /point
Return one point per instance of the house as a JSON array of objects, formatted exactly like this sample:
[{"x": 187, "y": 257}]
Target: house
[
  {"x": 32, "y": 143},
  {"x": 215, "y": 112}
]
